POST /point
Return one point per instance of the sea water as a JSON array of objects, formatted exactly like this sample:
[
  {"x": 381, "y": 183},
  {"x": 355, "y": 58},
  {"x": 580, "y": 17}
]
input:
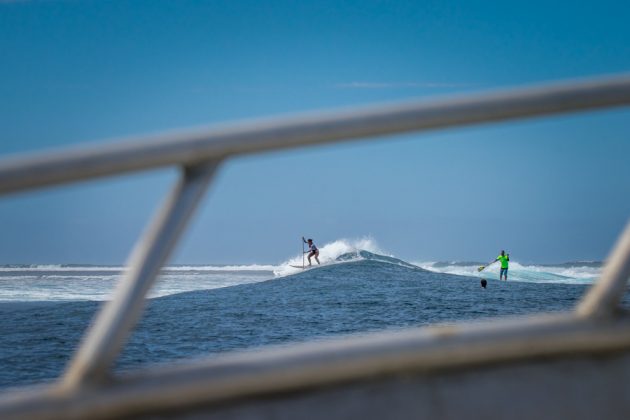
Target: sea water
[{"x": 198, "y": 310}]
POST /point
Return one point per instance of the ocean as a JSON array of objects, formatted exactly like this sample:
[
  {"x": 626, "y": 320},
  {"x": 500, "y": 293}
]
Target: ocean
[{"x": 205, "y": 310}]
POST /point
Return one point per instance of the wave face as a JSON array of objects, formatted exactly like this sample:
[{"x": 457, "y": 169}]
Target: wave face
[{"x": 569, "y": 273}]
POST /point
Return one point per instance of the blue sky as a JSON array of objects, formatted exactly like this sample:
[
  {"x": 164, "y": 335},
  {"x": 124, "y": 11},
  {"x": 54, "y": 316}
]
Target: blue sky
[{"x": 547, "y": 190}]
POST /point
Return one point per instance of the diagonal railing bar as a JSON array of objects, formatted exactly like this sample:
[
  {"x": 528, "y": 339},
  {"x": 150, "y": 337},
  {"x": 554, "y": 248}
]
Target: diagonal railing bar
[
  {"x": 113, "y": 323},
  {"x": 192, "y": 147},
  {"x": 605, "y": 295}
]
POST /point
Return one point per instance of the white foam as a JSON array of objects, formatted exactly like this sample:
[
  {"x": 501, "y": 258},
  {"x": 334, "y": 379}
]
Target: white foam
[
  {"x": 59, "y": 267},
  {"x": 328, "y": 254},
  {"x": 252, "y": 267},
  {"x": 54, "y": 287},
  {"x": 80, "y": 268}
]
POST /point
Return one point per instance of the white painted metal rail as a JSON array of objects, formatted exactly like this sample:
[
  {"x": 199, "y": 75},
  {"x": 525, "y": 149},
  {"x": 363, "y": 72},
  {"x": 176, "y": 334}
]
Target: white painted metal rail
[
  {"x": 216, "y": 143},
  {"x": 200, "y": 152}
]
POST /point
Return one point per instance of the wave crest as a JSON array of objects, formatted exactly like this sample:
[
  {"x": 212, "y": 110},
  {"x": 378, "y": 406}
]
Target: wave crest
[{"x": 339, "y": 251}]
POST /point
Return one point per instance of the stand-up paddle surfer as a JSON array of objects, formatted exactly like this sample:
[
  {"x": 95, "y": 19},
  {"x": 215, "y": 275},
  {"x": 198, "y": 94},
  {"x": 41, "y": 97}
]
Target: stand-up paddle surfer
[
  {"x": 312, "y": 250},
  {"x": 504, "y": 258},
  {"x": 504, "y": 264}
]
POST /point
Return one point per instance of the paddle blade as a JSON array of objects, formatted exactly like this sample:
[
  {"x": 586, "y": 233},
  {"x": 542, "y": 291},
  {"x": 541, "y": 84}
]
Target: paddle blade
[{"x": 481, "y": 268}]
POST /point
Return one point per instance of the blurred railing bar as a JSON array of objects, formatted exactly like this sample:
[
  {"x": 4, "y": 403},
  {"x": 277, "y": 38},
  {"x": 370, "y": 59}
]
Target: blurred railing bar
[
  {"x": 193, "y": 147},
  {"x": 108, "y": 333},
  {"x": 225, "y": 379},
  {"x": 603, "y": 298}
]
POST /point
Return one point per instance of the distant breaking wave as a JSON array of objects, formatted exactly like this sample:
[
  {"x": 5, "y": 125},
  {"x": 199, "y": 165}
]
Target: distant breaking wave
[
  {"x": 577, "y": 272},
  {"x": 337, "y": 252},
  {"x": 50, "y": 282}
]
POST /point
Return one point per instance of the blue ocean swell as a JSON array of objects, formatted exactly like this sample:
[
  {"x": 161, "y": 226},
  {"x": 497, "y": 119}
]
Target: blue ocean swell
[{"x": 354, "y": 297}]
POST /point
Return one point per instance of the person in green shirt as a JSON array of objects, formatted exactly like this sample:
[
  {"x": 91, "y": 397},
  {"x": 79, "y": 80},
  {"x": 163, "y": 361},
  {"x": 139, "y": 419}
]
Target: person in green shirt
[
  {"x": 504, "y": 258},
  {"x": 504, "y": 264}
]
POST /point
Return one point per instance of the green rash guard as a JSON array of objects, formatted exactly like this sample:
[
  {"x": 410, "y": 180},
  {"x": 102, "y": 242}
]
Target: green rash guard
[{"x": 504, "y": 260}]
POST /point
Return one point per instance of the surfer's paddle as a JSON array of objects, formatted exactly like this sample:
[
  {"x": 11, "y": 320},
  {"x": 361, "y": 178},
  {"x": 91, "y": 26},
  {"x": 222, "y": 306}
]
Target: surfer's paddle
[{"x": 483, "y": 267}]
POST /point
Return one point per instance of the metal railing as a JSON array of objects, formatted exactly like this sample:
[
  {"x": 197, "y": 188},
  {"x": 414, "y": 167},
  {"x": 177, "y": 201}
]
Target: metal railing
[{"x": 199, "y": 153}]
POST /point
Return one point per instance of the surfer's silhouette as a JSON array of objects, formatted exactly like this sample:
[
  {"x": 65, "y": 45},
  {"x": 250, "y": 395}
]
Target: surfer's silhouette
[
  {"x": 505, "y": 261},
  {"x": 312, "y": 250}
]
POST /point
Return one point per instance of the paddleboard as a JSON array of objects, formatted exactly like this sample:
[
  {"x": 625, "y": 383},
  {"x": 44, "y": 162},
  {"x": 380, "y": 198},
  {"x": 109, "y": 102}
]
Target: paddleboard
[{"x": 299, "y": 266}]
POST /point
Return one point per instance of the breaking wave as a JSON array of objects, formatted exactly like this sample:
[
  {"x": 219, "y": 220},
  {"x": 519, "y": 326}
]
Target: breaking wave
[{"x": 571, "y": 273}]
